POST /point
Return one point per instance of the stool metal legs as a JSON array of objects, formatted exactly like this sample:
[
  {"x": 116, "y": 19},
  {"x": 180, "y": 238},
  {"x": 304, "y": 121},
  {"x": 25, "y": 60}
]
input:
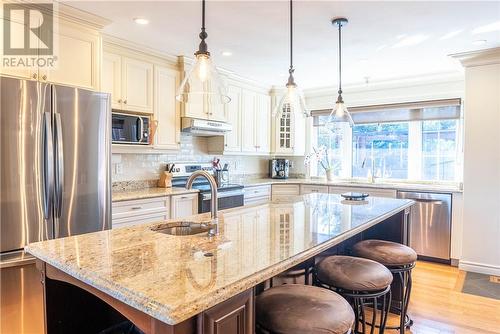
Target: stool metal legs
[
  {"x": 403, "y": 275},
  {"x": 360, "y": 300}
]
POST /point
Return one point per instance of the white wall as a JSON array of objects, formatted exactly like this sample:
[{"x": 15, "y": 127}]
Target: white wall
[{"x": 481, "y": 211}]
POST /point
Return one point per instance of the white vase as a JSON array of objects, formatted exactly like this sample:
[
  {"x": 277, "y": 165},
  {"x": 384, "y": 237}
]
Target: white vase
[{"x": 329, "y": 174}]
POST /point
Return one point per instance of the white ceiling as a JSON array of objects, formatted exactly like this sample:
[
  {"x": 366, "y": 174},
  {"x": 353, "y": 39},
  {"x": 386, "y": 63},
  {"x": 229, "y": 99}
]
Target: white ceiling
[{"x": 383, "y": 40}]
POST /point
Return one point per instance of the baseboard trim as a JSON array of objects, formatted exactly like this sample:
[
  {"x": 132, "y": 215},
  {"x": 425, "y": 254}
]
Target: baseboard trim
[{"x": 481, "y": 268}]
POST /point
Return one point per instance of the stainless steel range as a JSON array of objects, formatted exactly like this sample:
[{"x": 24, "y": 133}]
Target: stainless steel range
[{"x": 228, "y": 195}]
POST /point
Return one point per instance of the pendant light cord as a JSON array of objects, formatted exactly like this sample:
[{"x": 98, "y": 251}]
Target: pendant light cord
[
  {"x": 203, "y": 15},
  {"x": 203, "y": 49},
  {"x": 340, "y": 58}
]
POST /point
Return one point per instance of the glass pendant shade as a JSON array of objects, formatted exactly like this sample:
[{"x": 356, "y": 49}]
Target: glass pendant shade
[
  {"x": 203, "y": 84},
  {"x": 292, "y": 102},
  {"x": 339, "y": 114}
]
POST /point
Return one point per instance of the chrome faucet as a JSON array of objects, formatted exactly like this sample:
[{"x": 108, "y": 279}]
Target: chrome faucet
[{"x": 213, "y": 190}]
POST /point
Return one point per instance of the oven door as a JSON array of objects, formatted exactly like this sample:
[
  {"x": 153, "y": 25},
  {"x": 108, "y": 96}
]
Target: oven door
[
  {"x": 129, "y": 129},
  {"x": 225, "y": 200}
]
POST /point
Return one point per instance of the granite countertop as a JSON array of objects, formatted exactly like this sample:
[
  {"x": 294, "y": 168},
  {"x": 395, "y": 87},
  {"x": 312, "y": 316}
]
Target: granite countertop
[
  {"x": 449, "y": 188},
  {"x": 125, "y": 195},
  {"x": 172, "y": 278}
]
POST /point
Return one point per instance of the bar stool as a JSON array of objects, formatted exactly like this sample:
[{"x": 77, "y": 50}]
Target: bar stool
[
  {"x": 400, "y": 260},
  {"x": 363, "y": 282},
  {"x": 302, "y": 309}
]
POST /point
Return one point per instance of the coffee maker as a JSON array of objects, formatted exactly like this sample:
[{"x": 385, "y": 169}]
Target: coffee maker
[{"x": 279, "y": 168}]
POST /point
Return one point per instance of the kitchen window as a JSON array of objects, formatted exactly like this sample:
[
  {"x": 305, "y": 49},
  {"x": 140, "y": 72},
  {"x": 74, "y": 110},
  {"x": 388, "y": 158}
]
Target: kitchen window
[{"x": 409, "y": 141}]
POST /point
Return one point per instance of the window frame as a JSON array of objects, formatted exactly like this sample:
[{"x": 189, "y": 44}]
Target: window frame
[{"x": 415, "y": 136}]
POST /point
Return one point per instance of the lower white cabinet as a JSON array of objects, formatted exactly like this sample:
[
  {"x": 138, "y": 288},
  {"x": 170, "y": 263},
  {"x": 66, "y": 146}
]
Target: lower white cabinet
[
  {"x": 260, "y": 194},
  {"x": 284, "y": 191},
  {"x": 311, "y": 188},
  {"x": 375, "y": 192},
  {"x": 140, "y": 211},
  {"x": 183, "y": 205}
]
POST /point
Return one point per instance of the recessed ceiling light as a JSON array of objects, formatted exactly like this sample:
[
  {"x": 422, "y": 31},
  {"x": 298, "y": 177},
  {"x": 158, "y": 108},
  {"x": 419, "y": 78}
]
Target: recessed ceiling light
[
  {"x": 451, "y": 34},
  {"x": 411, "y": 40},
  {"x": 227, "y": 53},
  {"x": 495, "y": 26},
  {"x": 480, "y": 42},
  {"x": 141, "y": 20}
]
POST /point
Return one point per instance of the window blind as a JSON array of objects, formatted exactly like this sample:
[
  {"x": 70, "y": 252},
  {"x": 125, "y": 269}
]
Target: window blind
[{"x": 399, "y": 112}]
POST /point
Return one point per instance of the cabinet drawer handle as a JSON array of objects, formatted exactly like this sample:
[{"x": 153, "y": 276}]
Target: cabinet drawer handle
[{"x": 136, "y": 208}]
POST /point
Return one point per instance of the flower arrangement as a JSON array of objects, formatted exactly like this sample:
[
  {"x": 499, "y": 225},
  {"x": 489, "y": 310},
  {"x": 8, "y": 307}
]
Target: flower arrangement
[{"x": 320, "y": 155}]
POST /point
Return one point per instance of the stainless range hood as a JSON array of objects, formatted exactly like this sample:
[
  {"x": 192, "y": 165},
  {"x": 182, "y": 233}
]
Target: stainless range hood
[{"x": 202, "y": 127}]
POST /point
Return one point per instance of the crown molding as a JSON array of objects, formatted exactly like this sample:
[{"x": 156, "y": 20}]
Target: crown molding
[
  {"x": 413, "y": 81},
  {"x": 112, "y": 41},
  {"x": 478, "y": 57}
]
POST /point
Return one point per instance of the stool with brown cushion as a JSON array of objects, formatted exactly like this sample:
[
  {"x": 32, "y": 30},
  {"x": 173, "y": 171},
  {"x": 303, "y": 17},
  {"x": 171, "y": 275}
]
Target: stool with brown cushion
[
  {"x": 400, "y": 260},
  {"x": 361, "y": 281},
  {"x": 302, "y": 309}
]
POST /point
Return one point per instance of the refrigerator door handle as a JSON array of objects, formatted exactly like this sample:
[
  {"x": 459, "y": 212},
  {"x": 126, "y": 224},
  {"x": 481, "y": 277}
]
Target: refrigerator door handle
[
  {"x": 48, "y": 165},
  {"x": 59, "y": 177}
]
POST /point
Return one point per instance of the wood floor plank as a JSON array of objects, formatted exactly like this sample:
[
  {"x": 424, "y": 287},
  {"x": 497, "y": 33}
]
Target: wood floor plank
[{"x": 438, "y": 306}]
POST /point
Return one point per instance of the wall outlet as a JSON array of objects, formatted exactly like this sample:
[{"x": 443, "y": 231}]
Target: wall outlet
[{"x": 119, "y": 168}]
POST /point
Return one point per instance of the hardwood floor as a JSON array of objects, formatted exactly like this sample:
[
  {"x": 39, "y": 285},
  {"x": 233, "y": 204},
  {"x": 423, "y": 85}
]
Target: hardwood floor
[{"x": 438, "y": 306}]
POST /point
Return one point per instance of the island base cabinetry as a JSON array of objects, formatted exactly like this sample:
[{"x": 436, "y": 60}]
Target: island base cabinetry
[
  {"x": 235, "y": 315},
  {"x": 72, "y": 306}
]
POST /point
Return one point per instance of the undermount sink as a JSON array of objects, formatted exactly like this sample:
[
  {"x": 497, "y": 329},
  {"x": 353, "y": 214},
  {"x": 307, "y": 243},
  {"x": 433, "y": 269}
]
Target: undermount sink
[{"x": 183, "y": 228}]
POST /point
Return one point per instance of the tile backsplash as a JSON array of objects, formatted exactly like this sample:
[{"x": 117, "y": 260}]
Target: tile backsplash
[{"x": 147, "y": 167}]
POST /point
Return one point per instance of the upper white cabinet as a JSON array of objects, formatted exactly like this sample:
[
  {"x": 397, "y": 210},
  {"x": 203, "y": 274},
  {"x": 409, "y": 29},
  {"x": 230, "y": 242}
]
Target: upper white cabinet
[
  {"x": 166, "y": 108},
  {"x": 129, "y": 81},
  {"x": 78, "y": 59},
  {"x": 256, "y": 117},
  {"x": 249, "y": 113},
  {"x": 248, "y": 101},
  {"x": 232, "y": 140},
  {"x": 112, "y": 78},
  {"x": 77, "y": 50},
  {"x": 288, "y": 133},
  {"x": 137, "y": 85},
  {"x": 263, "y": 124}
]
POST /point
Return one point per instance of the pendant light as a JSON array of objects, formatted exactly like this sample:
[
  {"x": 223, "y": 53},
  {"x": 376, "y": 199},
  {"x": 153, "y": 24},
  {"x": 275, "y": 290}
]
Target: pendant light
[
  {"x": 202, "y": 83},
  {"x": 292, "y": 102},
  {"x": 339, "y": 113}
]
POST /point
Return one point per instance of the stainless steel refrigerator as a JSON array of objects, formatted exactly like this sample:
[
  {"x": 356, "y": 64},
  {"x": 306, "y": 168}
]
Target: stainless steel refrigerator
[{"x": 54, "y": 182}]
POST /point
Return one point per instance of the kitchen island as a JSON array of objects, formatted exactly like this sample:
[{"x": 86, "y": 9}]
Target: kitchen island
[{"x": 199, "y": 284}]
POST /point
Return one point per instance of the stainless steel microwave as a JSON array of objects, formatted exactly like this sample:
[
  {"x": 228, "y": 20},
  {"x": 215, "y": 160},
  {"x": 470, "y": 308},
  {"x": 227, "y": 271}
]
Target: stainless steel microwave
[{"x": 131, "y": 129}]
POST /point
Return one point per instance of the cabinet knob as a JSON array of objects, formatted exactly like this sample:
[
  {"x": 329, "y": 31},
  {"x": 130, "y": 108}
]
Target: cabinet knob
[
  {"x": 44, "y": 77},
  {"x": 35, "y": 76},
  {"x": 125, "y": 101},
  {"x": 119, "y": 100}
]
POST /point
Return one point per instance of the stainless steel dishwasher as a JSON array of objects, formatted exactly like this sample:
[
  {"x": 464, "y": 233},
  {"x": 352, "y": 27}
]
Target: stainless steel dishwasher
[{"x": 430, "y": 224}]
